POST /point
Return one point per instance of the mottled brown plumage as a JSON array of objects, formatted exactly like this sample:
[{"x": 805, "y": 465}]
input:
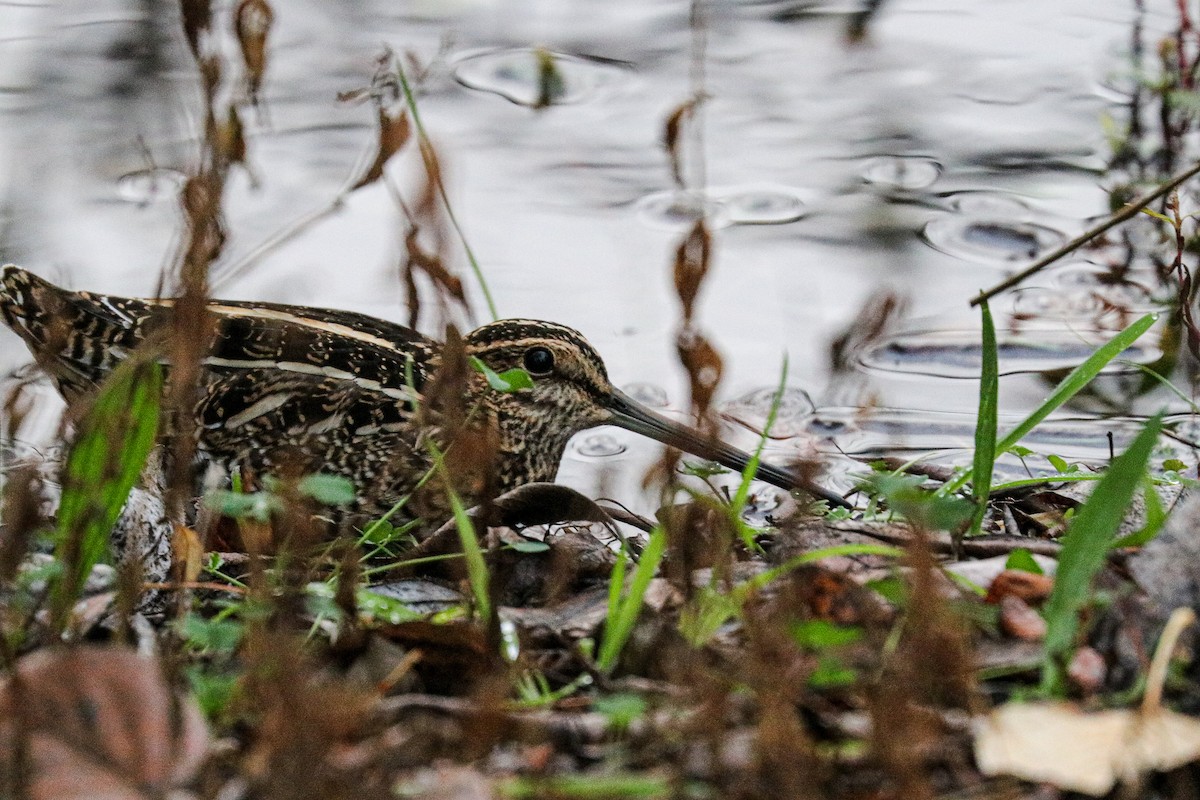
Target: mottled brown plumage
[{"x": 335, "y": 391}]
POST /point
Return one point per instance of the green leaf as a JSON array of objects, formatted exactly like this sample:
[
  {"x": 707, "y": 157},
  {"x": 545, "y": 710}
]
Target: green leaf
[
  {"x": 819, "y": 634},
  {"x": 213, "y": 690},
  {"x": 892, "y": 589},
  {"x": 382, "y": 608},
  {"x": 110, "y": 449},
  {"x": 621, "y": 709},
  {"x": 511, "y": 380},
  {"x": 743, "y": 491},
  {"x": 702, "y": 469},
  {"x": 1174, "y": 465},
  {"x": 1085, "y": 546},
  {"x": 256, "y": 505},
  {"x": 985, "y": 425},
  {"x": 1058, "y": 463},
  {"x": 1067, "y": 388},
  {"x": 623, "y": 613},
  {"x": 627, "y": 786},
  {"x": 326, "y": 489},
  {"x": 831, "y": 673},
  {"x": 1156, "y": 517},
  {"x": 1023, "y": 560},
  {"x": 211, "y": 635},
  {"x": 527, "y": 546},
  {"x": 930, "y": 510}
]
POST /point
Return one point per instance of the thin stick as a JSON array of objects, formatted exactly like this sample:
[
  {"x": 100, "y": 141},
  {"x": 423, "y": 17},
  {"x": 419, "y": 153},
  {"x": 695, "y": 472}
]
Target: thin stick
[{"x": 1131, "y": 210}]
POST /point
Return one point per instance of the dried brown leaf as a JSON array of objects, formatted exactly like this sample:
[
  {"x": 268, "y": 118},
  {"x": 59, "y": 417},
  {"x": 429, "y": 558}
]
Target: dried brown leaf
[
  {"x": 691, "y": 266},
  {"x": 445, "y": 282},
  {"x": 394, "y": 133},
  {"x": 1060, "y": 744},
  {"x": 454, "y": 656},
  {"x": 673, "y": 132},
  {"x": 21, "y": 515},
  {"x": 252, "y": 23},
  {"x": 704, "y": 369},
  {"x": 97, "y": 723}
]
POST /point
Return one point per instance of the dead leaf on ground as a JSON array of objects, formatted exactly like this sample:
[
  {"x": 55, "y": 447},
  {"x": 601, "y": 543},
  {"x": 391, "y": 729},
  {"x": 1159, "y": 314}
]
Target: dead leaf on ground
[
  {"x": 97, "y": 723},
  {"x": 1090, "y": 752},
  {"x": 1080, "y": 751}
]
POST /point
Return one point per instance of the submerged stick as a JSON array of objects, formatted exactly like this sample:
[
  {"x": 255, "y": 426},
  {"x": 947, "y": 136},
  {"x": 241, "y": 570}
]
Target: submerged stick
[{"x": 1131, "y": 209}]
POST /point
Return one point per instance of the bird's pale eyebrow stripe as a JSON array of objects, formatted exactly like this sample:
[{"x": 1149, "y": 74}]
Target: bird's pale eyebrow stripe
[{"x": 333, "y": 328}]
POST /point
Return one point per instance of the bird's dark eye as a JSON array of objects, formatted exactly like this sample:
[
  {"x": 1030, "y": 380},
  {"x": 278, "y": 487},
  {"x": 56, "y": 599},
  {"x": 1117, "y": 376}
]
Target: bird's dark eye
[{"x": 539, "y": 361}]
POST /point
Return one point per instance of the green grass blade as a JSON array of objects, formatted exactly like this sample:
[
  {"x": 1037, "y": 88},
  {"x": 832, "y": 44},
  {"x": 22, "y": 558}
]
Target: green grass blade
[
  {"x": 743, "y": 490},
  {"x": 619, "y": 625},
  {"x": 1088, "y": 540},
  {"x": 1067, "y": 388},
  {"x": 1078, "y": 378},
  {"x": 110, "y": 449},
  {"x": 477, "y": 571},
  {"x": 985, "y": 425}
]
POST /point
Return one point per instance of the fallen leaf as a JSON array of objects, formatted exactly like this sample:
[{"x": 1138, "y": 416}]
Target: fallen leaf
[
  {"x": 1080, "y": 751},
  {"x": 98, "y": 723}
]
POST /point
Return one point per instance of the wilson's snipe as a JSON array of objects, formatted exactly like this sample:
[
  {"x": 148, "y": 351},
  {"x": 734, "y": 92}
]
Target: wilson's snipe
[{"x": 336, "y": 389}]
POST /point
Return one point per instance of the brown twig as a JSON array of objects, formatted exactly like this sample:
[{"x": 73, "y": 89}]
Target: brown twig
[{"x": 1132, "y": 209}]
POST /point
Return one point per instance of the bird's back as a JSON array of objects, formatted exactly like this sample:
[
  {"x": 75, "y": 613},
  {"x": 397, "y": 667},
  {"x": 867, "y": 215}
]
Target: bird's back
[{"x": 335, "y": 387}]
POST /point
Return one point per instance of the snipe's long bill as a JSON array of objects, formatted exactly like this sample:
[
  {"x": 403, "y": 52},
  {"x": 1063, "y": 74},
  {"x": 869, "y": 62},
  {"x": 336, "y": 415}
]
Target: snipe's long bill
[
  {"x": 333, "y": 391},
  {"x": 633, "y": 416}
]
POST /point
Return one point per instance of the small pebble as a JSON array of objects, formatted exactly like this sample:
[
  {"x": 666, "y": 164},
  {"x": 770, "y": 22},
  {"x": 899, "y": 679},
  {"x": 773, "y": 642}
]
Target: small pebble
[
  {"x": 1020, "y": 620},
  {"x": 1027, "y": 586},
  {"x": 1087, "y": 671}
]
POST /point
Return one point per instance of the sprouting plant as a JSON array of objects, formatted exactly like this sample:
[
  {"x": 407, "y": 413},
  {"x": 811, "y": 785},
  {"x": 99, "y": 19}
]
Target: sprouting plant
[{"x": 1088, "y": 539}]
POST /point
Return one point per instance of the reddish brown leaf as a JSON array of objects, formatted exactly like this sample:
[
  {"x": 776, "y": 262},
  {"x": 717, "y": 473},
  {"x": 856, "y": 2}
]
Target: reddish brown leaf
[
  {"x": 98, "y": 723},
  {"x": 252, "y": 23},
  {"x": 394, "y": 132},
  {"x": 704, "y": 369},
  {"x": 672, "y": 132},
  {"x": 691, "y": 266},
  {"x": 447, "y": 284}
]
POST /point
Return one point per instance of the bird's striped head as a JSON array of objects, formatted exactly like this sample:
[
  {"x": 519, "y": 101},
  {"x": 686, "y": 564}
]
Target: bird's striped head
[{"x": 570, "y": 381}]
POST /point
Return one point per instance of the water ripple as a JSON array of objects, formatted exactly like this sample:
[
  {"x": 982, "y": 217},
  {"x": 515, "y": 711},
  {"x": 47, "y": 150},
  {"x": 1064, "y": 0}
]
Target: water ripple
[{"x": 528, "y": 76}]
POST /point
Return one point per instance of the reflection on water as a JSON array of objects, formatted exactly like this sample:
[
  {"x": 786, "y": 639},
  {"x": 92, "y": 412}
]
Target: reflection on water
[{"x": 957, "y": 136}]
